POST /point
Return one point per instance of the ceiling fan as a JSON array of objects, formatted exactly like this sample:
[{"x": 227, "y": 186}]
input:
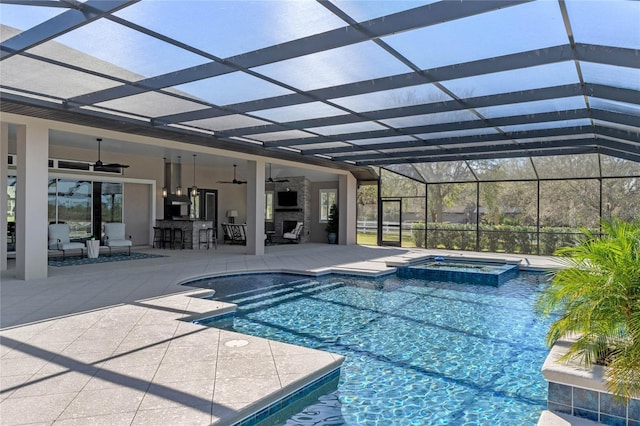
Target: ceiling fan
[
  {"x": 99, "y": 166},
  {"x": 234, "y": 181},
  {"x": 272, "y": 180}
]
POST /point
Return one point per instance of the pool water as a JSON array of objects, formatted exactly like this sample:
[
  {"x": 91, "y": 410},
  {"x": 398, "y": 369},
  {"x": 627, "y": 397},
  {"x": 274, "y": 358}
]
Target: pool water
[{"x": 417, "y": 352}]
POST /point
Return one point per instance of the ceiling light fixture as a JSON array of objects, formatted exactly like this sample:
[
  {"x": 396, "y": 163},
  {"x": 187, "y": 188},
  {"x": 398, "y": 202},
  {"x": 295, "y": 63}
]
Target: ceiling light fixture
[
  {"x": 194, "y": 189},
  {"x": 179, "y": 187},
  {"x": 165, "y": 191}
]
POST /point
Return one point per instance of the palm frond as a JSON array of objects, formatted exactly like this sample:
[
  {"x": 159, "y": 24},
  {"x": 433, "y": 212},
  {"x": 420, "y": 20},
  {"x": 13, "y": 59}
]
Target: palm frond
[{"x": 597, "y": 296}]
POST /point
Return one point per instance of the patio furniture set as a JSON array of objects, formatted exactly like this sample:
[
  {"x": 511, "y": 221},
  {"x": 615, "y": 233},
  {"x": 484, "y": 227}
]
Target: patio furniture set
[{"x": 114, "y": 237}]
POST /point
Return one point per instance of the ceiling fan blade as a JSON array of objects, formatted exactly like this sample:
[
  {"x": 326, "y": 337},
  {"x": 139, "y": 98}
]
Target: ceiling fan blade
[
  {"x": 110, "y": 167},
  {"x": 234, "y": 181},
  {"x": 272, "y": 180}
]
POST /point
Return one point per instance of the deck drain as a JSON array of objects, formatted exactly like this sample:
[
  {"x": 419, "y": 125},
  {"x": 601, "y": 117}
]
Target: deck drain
[{"x": 236, "y": 343}]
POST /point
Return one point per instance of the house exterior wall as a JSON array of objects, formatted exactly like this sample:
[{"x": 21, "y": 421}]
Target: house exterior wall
[{"x": 136, "y": 214}]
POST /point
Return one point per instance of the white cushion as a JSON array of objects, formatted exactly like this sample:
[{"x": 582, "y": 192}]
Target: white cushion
[
  {"x": 293, "y": 235},
  {"x": 59, "y": 235},
  {"x": 70, "y": 246},
  {"x": 118, "y": 243},
  {"x": 114, "y": 231},
  {"x": 115, "y": 237}
]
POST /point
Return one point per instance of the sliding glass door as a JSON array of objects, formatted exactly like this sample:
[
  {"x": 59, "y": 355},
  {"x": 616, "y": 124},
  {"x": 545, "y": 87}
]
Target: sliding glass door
[{"x": 84, "y": 205}]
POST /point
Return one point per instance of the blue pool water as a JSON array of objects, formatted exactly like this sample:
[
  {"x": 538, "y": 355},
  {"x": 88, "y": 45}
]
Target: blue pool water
[{"x": 417, "y": 352}]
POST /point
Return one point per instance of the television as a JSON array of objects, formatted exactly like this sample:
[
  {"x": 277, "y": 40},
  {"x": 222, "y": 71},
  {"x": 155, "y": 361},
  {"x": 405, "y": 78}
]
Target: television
[{"x": 288, "y": 199}]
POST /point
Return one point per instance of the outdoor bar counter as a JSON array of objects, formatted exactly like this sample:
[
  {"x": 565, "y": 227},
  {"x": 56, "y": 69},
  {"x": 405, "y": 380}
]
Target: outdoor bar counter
[{"x": 192, "y": 236}]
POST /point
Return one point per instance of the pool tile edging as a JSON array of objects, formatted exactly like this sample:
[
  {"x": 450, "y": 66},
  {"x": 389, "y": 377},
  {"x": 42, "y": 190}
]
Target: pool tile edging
[
  {"x": 582, "y": 392},
  {"x": 271, "y": 404}
]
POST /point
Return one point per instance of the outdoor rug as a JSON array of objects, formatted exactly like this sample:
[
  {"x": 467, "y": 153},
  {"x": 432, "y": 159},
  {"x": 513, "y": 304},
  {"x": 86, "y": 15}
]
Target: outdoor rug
[{"x": 103, "y": 258}]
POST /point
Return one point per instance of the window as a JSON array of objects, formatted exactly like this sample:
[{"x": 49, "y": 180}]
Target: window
[
  {"x": 86, "y": 206},
  {"x": 268, "y": 206},
  {"x": 74, "y": 201},
  {"x": 327, "y": 198},
  {"x": 11, "y": 213},
  {"x": 110, "y": 202},
  {"x": 194, "y": 208},
  {"x": 11, "y": 199}
]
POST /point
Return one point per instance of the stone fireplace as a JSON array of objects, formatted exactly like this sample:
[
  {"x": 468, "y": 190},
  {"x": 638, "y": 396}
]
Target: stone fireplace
[
  {"x": 288, "y": 225},
  {"x": 286, "y": 218}
]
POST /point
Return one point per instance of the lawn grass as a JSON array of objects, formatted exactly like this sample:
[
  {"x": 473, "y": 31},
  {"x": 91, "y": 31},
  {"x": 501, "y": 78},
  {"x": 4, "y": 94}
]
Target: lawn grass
[{"x": 367, "y": 239}]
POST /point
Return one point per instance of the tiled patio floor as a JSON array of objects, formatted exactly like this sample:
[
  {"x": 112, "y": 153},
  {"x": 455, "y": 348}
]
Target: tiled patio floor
[{"x": 112, "y": 343}]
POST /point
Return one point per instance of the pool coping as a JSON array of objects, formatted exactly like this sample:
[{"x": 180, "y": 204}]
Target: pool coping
[
  {"x": 523, "y": 264},
  {"x": 175, "y": 313},
  {"x": 271, "y": 403},
  {"x": 246, "y": 415}
]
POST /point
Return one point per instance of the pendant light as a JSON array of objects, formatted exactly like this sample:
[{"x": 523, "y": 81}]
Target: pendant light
[
  {"x": 179, "y": 187},
  {"x": 165, "y": 191},
  {"x": 194, "y": 189}
]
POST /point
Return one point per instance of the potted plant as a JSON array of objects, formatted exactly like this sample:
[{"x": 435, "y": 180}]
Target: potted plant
[
  {"x": 598, "y": 300},
  {"x": 332, "y": 225}
]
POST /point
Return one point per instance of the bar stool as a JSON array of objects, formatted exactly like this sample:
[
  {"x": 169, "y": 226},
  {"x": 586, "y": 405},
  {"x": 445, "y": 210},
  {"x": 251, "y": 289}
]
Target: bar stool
[
  {"x": 177, "y": 238},
  {"x": 209, "y": 238},
  {"x": 157, "y": 237},
  {"x": 167, "y": 236},
  {"x": 214, "y": 237}
]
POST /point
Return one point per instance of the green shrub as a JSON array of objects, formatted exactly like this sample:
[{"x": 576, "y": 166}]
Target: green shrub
[{"x": 418, "y": 232}]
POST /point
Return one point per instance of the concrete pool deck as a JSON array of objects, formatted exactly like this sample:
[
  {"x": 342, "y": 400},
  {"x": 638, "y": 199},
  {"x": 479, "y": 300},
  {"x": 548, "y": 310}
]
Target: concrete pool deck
[{"x": 112, "y": 343}]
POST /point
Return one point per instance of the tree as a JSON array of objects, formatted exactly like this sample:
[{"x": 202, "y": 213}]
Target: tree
[
  {"x": 598, "y": 298},
  {"x": 367, "y": 197}
]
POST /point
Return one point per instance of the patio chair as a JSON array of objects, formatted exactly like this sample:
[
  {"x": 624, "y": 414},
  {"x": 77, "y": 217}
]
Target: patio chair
[
  {"x": 114, "y": 236},
  {"x": 295, "y": 234},
  {"x": 238, "y": 233},
  {"x": 227, "y": 233},
  {"x": 59, "y": 239}
]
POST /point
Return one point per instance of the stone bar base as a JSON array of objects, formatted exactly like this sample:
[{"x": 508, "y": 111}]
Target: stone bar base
[{"x": 190, "y": 229}]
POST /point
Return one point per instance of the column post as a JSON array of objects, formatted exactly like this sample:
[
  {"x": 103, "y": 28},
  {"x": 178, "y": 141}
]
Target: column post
[
  {"x": 255, "y": 207},
  {"x": 347, "y": 191},
  {"x": 31, "y": 201}
]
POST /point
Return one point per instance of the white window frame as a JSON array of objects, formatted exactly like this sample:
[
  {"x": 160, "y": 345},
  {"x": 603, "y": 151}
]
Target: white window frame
[
  {"x": 269, "y": 197},
  {"x": 325, "y": 197}
]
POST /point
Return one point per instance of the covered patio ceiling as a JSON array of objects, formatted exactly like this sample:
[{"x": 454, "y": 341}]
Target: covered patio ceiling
[{"x": 347, "y": 84}]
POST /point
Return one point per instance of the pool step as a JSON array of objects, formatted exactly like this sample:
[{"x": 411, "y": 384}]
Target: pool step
[
  {"x": 284, "y": 295},
  {"x": 270, "y": 291}
]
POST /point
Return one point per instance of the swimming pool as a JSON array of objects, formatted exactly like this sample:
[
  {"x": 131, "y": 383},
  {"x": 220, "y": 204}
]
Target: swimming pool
[{"x": 417, "y": 352}]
